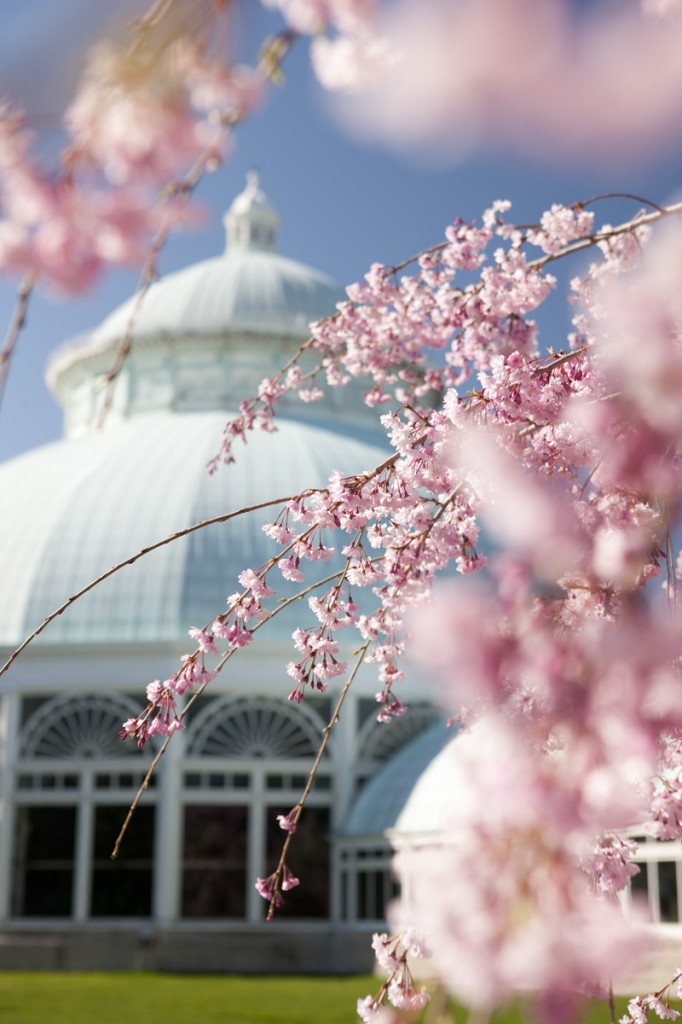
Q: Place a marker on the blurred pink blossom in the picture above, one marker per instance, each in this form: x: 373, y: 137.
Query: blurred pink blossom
x: 531, y: 75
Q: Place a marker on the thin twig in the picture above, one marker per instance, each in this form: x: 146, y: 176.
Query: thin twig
x: 155, y: 13
x: 148, y: 275
x: 621, y: 195
x: 559, y: 361
x: 16, y: 326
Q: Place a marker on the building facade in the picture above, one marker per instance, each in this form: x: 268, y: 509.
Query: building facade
x: 181, y: 894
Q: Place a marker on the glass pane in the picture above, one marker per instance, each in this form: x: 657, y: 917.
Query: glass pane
x: 308, y: 860
x: 640, y: 882
x: 667, y: 890
x: 123, y: 887
x: 375, y: 890
x: 214, y: 864
x: 43, y: 861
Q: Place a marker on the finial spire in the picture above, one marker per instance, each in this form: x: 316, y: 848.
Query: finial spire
x: 251, y: 222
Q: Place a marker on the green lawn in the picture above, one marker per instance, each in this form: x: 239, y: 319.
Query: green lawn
x: 48, y: 998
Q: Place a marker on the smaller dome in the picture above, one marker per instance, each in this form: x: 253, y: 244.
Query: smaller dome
x: 251, y: 221
x: 204, y: 336
x: 438, y: 789
x: 381, y: 803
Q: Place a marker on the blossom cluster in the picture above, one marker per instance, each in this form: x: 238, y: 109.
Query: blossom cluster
x: 147, y: 121
x: 394, y: 954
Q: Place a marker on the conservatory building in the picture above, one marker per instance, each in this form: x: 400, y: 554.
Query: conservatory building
x: 181, y: 895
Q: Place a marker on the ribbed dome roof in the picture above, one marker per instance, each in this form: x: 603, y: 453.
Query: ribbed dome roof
x: 381, y: 802
x: 72, y: 509
x: 243, y: 291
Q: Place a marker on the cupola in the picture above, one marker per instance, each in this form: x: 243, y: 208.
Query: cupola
x: 251, y: 222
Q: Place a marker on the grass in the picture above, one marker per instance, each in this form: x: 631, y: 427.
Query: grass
x: 93, y: 998
x: 75, y: 998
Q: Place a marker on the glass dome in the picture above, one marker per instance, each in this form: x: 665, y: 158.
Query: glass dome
x: 72, y: 509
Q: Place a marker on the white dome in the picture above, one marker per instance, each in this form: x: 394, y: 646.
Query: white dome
x: 72, y: 509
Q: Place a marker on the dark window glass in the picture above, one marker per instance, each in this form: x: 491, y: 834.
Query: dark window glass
x: 308, y: 861
x: 667, y: 890
x: 640, y: 882
x: 43, y: 861
x: 122, y: 887
x: 375, y: 890
x: 214, y: 866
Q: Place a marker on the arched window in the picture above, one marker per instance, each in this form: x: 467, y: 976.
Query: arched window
x: 75, y: 780
x: 255, y: 728
x: 78, y: 726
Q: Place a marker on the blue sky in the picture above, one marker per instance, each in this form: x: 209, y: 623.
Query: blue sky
x: 343, y: 203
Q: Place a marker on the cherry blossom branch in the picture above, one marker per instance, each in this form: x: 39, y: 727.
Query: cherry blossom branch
x: 398, y: 988
x: 271, y: 888
x: 177, y: 535
x: 641, y: 220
